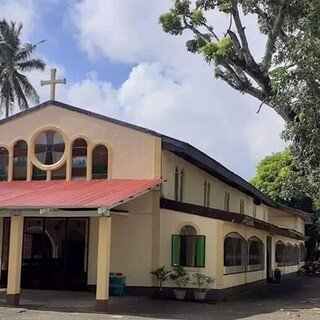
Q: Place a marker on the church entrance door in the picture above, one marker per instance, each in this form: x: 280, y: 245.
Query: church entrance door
x: 54, y: 253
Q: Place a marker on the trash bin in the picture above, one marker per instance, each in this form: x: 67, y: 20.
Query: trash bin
x: 117, y: 283
x: 277, y: 275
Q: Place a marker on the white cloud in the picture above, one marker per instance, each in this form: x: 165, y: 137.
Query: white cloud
x: 23, y: 11
x: 169, y: 90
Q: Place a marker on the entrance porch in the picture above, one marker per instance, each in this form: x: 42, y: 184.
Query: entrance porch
x: 56, y: 246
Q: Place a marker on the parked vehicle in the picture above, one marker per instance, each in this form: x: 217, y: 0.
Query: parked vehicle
x: 312, y: 268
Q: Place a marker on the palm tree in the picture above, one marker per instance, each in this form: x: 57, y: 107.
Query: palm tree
x: 15, y: 59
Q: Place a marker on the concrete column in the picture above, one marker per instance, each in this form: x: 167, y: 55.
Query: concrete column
x: 219, y: 255
x: 103, y: 263
x: 1, y: 244
x: 156, y: 225
x: 15, y: 257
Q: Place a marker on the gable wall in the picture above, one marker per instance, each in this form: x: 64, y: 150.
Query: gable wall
x: 132, y: 154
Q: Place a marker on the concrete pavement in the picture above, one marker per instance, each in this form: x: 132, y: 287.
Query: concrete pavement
x: 297, y: 300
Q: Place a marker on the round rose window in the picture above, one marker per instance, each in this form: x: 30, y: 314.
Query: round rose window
x: 49, y: 147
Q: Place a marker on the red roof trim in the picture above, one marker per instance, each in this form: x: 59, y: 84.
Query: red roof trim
x: 71, y: 194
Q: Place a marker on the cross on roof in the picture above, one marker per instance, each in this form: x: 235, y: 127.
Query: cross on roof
x: 52, y: 82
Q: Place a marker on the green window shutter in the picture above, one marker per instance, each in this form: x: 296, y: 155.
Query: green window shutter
x: 176, y: 245
x: 200, y: 251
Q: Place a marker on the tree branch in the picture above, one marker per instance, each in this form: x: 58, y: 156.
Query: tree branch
x: 272, y: 37
x: 240, y: 29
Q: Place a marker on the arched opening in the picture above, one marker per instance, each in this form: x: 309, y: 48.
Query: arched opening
x: 280, y: 253
x: 188, y: 248
x: 234, y: 253
x: 100, y: 162
x: 20, y: 155
x: 79, y: 159
x: 255, y: 254
x: 302, y: 252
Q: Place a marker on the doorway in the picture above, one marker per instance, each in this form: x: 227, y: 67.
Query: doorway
x: 54, y: 253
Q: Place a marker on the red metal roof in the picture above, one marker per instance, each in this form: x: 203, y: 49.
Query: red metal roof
x: 71, y: 194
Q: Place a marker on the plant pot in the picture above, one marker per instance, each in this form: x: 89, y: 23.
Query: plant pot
x: 179, y: 294
x: 200, y: 295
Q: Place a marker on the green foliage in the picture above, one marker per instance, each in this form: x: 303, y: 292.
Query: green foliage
x: 286, y: 78
x: 202, y: 281
x: 278, y: 177
x: 217, y: 51
x: 171, y: 23
x: 162, y: 274
x: 180, y: 277
x: 15, y: 59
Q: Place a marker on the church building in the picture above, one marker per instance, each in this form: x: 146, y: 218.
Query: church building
x: 83, y: 195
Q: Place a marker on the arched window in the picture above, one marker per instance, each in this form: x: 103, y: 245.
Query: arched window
x: 280, y: 253
x: 234, y: 253
x: 188, y: 248
x: 289, y: 254
x: 241, y: 206
x: 226, y: 200
x: 20, y: 154
x: 255, y: 254
x: 181, y: 184
x: 176, y: 184
x: 79, y: 159
x: 100, y: 162
x: 4, y: 163
x: 295, y: 254
x: 302, y: 252
x: 206, y: 194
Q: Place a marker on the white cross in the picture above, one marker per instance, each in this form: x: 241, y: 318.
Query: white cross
x: 52, y: 82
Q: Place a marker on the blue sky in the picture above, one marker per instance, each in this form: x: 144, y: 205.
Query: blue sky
x: 118, y: 62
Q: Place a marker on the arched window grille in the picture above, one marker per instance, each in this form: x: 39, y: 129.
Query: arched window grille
x: 100, y: 162
x: 280, y: 253
x: 79, y: 159
x: 302, y: 252
x: 4, y: 163
x: 234, y: 253
x: 255, y: 254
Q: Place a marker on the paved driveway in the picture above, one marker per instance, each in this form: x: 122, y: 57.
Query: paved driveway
x: 298, y: 300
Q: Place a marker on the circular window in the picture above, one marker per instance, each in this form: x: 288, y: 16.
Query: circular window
x: 49, y: 147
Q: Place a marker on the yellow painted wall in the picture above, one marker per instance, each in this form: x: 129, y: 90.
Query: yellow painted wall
x: 194, y: 187
x: 172, y: 222
x: 131, y: 248
x: 194, y: 193
x: 285, y: 219
x: 230, y: 280
x: 132, y: 154
x: 131, y: 241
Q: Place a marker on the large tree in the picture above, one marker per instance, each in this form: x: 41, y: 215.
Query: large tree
x: 15, y: 60
x: 287, y: 76
x: 279, y: 178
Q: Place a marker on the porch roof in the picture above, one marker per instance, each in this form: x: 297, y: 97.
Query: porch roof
x: 72, y: 194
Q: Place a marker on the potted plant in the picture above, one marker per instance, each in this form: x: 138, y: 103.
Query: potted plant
x: 203, y: 283
x: 162, y: 274
x: 181, y: 278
